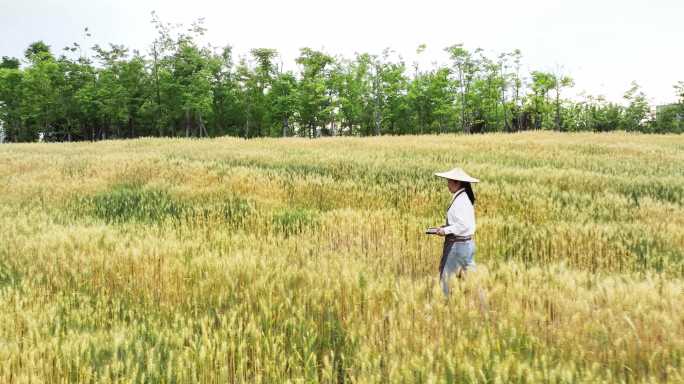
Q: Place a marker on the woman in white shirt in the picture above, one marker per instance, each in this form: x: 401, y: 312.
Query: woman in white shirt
x: 459, y: 247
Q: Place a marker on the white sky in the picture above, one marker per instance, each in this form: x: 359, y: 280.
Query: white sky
x: 602, y: 44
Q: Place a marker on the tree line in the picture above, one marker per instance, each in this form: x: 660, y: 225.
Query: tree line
x: 182, y: 88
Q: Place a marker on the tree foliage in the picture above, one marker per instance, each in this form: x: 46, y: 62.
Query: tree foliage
x: 183, y: 88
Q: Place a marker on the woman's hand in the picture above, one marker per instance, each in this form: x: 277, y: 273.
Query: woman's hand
x: 440, y: 232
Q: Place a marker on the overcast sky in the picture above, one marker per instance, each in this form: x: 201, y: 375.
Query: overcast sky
x: 602, y: 44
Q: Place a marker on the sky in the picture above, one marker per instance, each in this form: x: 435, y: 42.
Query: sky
x: 603, y: 45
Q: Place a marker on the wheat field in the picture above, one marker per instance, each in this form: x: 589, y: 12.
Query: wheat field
x: 304, y: 261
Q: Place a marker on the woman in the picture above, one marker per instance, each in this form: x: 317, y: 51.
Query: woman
x: 459, y: 247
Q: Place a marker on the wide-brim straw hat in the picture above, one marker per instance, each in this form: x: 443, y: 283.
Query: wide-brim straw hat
x: 457, y: 174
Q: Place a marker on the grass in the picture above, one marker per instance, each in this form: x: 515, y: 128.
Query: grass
x: 295, y: 260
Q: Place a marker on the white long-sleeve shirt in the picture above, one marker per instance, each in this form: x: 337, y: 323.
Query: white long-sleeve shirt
x: 461, y: 216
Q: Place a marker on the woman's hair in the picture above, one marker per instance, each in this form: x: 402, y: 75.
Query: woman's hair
x: 469, y: 192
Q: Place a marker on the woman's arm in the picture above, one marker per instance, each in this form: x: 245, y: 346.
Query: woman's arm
x: 457, y: 226
x: 450, y: 229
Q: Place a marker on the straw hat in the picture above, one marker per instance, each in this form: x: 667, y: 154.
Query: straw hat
x: 457, y: 174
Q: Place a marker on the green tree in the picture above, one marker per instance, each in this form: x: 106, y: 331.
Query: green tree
x: 637, y: 109
x: 181, y: 88
x: 485, y: 95
x: 464, y: 67
x: 351, y: 80
x: 192, y: 85
x: 679, y: 89
x: 9, y: 63
x: 670, y: 118
x: 38, y: 51
x: 226, y: 115
x: 11, y: 117
x: 395, y: 105
x: 313, y: 99
x: 258, y: 82
x: 283, y: 101
x: 560, y: 82
x: 182, y: 77
x: 110, y: 95
x: 430, y: 97
x: 542, y: 84
x: 40, y: 98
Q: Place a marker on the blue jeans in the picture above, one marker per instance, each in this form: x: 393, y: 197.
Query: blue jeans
x: 459, y: 258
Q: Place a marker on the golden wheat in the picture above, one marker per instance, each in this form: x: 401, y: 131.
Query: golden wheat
x: 229, y: 260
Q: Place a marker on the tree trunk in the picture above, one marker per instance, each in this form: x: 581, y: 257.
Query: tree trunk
x: 202, y: 128
x: 558, y: 119
x: 463, y: 99
x: 466, y: 125
x: 546, y: 100
x: 156, y: 77
x: 378, y: 122
x: 503, y: 100
x: 286, y: 123
x: 187, y: 123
